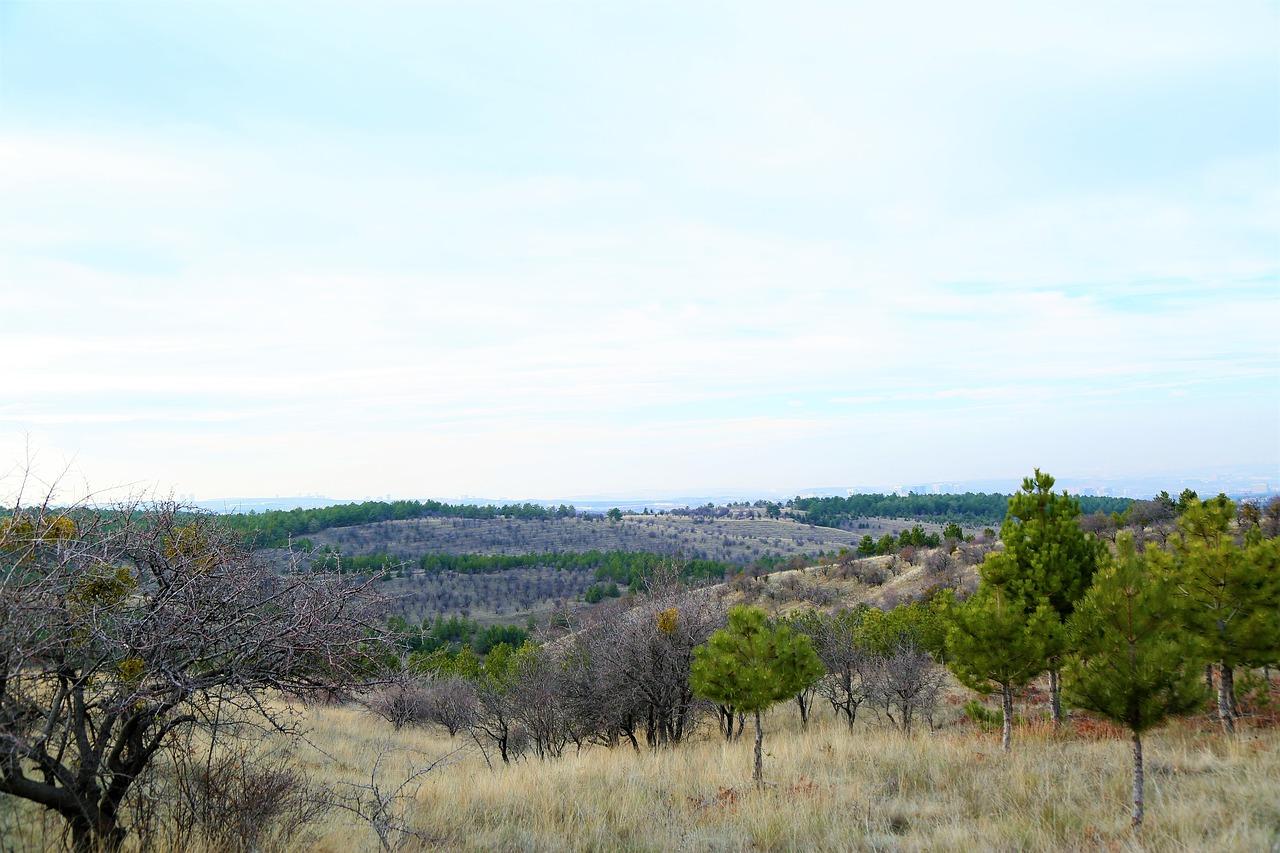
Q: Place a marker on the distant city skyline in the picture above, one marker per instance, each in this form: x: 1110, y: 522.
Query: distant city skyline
x: 522, y: 249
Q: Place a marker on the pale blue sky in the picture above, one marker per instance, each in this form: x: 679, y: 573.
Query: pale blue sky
x: 544, y: 249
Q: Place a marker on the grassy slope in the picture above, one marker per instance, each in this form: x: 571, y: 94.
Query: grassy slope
x: 873, y: 789
x: 826, y: 789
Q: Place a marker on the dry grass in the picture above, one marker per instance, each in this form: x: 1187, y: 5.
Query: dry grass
x: 827, y: 788
x: 874, y: 789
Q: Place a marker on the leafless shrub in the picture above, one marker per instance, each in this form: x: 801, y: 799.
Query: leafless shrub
x: 1099, y: 524
x: 870, y: 572
x: 639, y: 661
x: 451, y: 703
x: 944, y: 569
x: 538, y: 698
x: 384, y: 806
x: 972, y: 553
x: 407, y: 702
x: 237, y: 800
x: 907, y: 681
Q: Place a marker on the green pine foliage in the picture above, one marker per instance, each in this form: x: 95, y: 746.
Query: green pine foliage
x: 1233, y: 593
x: 995, y: 641
x: 750, y: 666
x: 1133, y: 663
x: 1230, y: 594
x: 1047, y: 557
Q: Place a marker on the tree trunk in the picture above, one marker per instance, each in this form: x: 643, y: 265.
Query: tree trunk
x: 758, y: 776
x: 1055, y: 698
x: 1007, y: 696
x: 1208, y: 677
x: 1224, y: 699
x: 1229, y: 679
x: 106, y: 837
x: 804, y: 710
x: 1137, y: 780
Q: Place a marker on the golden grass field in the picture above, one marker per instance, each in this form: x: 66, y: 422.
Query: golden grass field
x: 826, y: 789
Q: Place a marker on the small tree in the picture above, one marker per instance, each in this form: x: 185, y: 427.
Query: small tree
x: 751, y: 666
x: 1134, y: 664
x: 844, y: 650
x: 1230, y: 595
x: 993, y: 641
x: 1047, y: 559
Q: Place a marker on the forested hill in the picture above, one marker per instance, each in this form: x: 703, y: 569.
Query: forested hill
x: 971, y: 508
x: 274, y: 528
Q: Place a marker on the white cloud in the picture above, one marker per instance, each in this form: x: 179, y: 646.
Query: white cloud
x: 811, y: 241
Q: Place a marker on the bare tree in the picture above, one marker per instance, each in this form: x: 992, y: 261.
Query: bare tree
x: 538, y: 698
x: 119, y: 626
x: 642, y: 657
x: 838, y: 640
x: 406, y: 701
x: 451, y: 703
x: 909, y: 681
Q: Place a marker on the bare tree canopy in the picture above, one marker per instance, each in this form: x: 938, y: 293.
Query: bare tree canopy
x: 119, y: 626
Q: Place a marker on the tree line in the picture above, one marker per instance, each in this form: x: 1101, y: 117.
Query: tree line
x: 274, y: 528
x: 970, y: 507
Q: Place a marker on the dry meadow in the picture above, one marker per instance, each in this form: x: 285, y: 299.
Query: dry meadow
x: 827, y: 788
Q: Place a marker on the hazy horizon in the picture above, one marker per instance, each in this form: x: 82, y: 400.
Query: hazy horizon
x: 521, y: 249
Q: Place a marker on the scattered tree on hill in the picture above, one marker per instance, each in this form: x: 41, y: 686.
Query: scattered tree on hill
x: 1133, y: 663
x: 122, y: 626
x: 750, y: 666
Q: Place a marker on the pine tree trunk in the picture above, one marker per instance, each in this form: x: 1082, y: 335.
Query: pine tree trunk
x: 1229, y: 677
x: 1055, y: 698
x: 1208, y: 677
x: 1224, y: 699
x: 1137, y: 780
x: 758, y: 776
x: 1007, y: 695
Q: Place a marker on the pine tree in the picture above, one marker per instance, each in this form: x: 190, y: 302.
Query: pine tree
x: 1133, y: 663
x: 1047, y: 558
x: 1231, y: 595
x: 750, y: 666
x: 994, y: 640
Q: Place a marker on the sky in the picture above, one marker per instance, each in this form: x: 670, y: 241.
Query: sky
x: 532, y: 249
